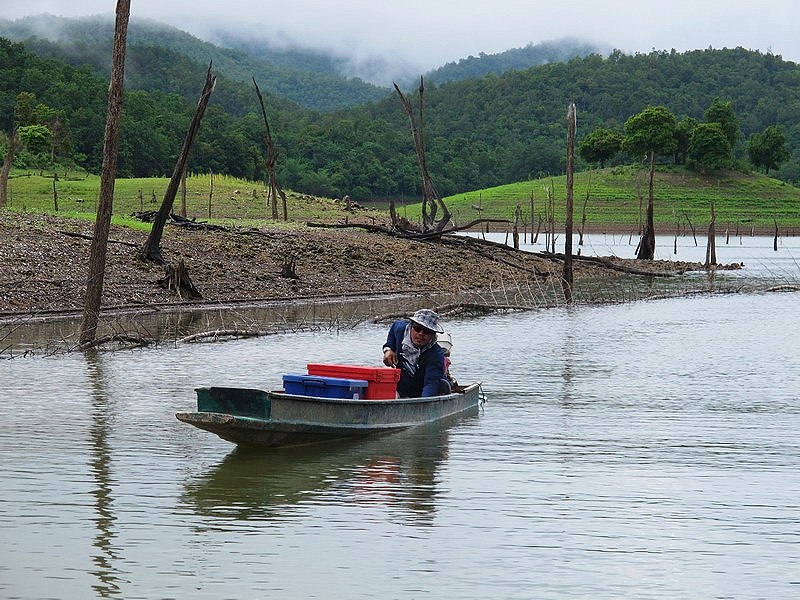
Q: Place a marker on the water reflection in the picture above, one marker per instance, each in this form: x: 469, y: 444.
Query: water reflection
x: 569, y: 341
x: 100, y: 468
x: 398, y: 471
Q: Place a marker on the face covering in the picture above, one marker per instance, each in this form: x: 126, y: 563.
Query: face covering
x: 410, y: 353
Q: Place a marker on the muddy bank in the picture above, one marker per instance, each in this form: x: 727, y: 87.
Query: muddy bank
x: 44, y: 262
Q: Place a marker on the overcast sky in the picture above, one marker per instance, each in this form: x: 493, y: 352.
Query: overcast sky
x: 428, y: 33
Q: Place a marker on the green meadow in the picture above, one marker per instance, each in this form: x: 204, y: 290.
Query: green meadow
x: 615, y: 197
x: 218, y: 199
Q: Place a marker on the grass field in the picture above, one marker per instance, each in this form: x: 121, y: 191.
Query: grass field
x: 616, y: 196
x: 226, y: 199
x: 613, y: 197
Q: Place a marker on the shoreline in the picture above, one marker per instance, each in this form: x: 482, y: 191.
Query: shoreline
x: 338, y: 270
x: 618, y: 229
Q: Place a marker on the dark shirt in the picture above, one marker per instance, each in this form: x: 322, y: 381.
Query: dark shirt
x: 425, y: 381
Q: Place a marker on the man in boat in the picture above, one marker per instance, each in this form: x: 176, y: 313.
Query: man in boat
x: 411, y: 346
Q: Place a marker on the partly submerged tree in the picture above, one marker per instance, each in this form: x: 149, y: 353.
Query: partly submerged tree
x: 768, y: 149
x: 102, y: 225
x: 649, y: 134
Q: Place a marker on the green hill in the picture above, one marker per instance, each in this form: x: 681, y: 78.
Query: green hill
x: 681, y: 198
x: 479, y: 133
x: 531, y: 55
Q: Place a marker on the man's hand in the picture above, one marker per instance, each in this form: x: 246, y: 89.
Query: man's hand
x: 389, y: 357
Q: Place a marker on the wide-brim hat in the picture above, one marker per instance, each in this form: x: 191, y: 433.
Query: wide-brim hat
x: 445, y: 340
x: 428, y: 319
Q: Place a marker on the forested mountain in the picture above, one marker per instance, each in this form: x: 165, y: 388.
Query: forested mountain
x: 71, y: 101
x: 300, y: 77
x: 478, y: 132
x: 309, y: 78
x: 517, y: 58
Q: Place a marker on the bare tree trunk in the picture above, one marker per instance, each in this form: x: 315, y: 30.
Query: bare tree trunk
x: 13, y: 146
x: 273, y: 187
x: 538, y: 229
x: 675, y: 239
x: 517, y: 212
x: 711, y: 244
x: 429, y: 193
x: 647, y: 247
x: 183, y: 193
x: 552, y: 222
x: 210, y: 191
x: 151, y: 250
x: 55, y: 192
x: 694, y: 233
x: 775, y: 239
x: 533, y: 218
x: 566, y: 277
x: 99, y: 246
x: 583, y: 215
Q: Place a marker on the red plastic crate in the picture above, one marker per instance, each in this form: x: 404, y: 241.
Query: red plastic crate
x: 382, y: 381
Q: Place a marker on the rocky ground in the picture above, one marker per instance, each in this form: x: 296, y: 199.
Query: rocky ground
x: 44, y: 263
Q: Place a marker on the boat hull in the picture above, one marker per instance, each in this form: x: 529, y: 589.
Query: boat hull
x: 274, y: 419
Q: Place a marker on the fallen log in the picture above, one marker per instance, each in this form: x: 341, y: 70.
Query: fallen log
x: 83, y: 236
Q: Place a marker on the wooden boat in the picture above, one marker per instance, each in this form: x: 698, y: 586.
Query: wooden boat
x: 252, y: 417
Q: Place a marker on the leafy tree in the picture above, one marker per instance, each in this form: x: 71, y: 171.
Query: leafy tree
x: 722, y: 112
x: 650, y: 133
x: 600, y: 145
x: 768, y: 149
x: 709, y: 149
x: 35, y: 137
x: 683, y: 137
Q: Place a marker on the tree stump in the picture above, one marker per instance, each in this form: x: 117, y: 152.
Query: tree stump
x: 177, y: 280
x: 289, y: 268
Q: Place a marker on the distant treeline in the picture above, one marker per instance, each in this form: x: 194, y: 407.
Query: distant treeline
x: 479, y: 132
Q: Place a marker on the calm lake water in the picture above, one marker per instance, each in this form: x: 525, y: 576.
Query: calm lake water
x: 640, y: 450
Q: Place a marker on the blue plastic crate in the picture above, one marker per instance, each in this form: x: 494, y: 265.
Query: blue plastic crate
x: 324, y: 387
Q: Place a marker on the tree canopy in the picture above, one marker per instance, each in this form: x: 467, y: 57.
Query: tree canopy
x: 768, y: 149
x: 651, y: 131
x: 600, y: 145
x: 721, y: 111
x: 709, y: 148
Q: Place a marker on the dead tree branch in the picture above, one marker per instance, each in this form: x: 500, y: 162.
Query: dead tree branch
x: 429, y: 194
x: 152, y: 247
x: 274, y: 189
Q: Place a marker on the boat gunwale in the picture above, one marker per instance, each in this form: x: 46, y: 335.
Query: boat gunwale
x: 376, y: 401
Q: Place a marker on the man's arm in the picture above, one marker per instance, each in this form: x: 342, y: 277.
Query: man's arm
x: 434, y: 372
x: 389, y: 352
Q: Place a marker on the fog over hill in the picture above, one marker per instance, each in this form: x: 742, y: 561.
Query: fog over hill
x: 294, y: 55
